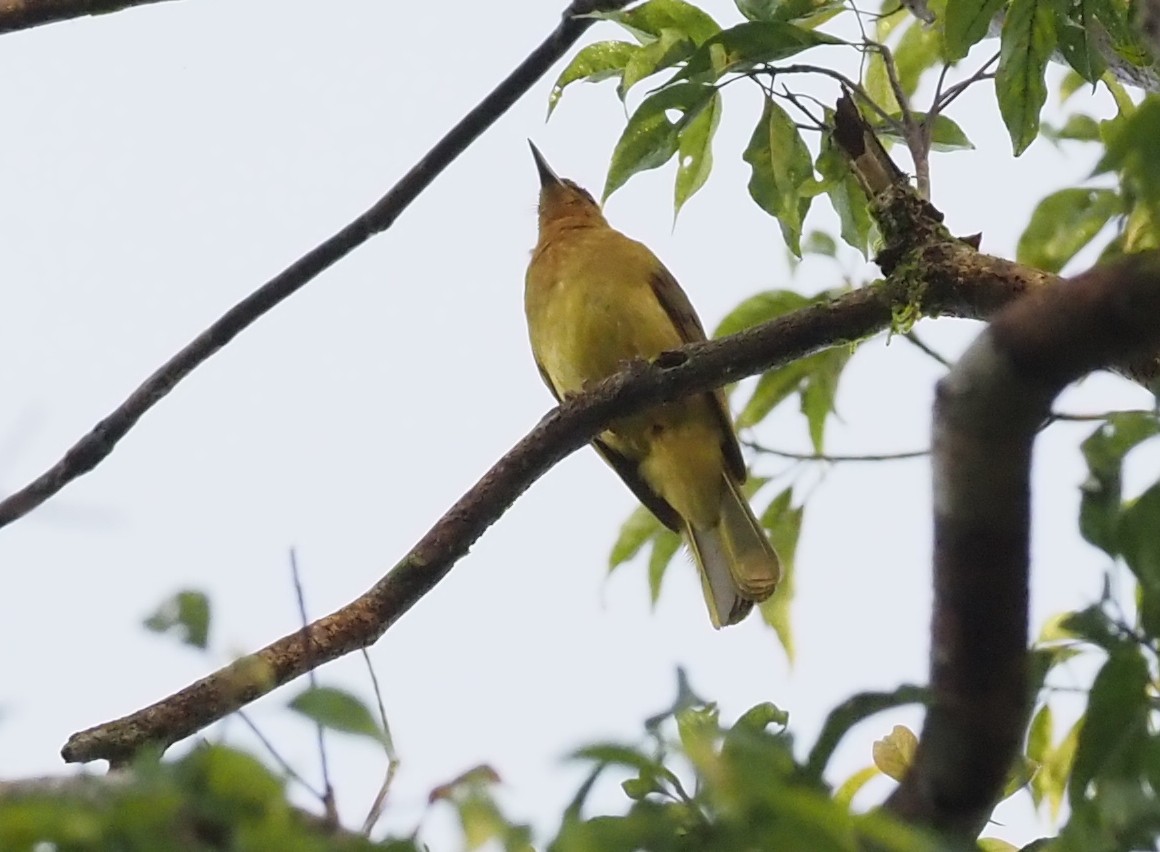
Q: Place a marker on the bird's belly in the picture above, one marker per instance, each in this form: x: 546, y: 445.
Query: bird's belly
x: 589, y: 334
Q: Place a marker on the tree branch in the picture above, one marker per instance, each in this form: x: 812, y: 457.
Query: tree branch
x: 25, y: 14
x: 988, y: 411
x: 96, y: 446
x: 973, y: 288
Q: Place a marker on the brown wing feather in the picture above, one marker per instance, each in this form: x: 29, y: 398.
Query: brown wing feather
x: 628, y: 471
x: 676, y: 304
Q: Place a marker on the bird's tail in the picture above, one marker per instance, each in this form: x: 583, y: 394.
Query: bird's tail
x: 739, y: 566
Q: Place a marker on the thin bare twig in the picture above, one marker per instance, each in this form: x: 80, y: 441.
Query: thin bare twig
x: 94, y: 447
x: 829, y: 457
x: 945, y: 98
x: 375, y: 813
x: 328, y: 800
x: 278, y: 759
x: 914, y: 340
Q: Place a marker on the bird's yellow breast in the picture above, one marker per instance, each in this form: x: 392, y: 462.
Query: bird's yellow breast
x: 591, y: 306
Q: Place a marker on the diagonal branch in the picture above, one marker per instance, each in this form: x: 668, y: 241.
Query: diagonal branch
x: 975, y: 287
x: 25, y: 14
x: 988, y: 411
x: 96, y: 446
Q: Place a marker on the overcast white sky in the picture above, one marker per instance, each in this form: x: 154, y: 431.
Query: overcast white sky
x: 159, y: 164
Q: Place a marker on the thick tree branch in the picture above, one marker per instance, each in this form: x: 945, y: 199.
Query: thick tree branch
x: 94, y: 447
x: 988, y: 411
x: 974, y: 288
x: 24, y: 14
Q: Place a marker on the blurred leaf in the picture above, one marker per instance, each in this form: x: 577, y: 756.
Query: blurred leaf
x: 1124, y: 34
x: 1039, y: 735
x: 917, y: 51
x: 1063, y: 223
x: 1019, y: 777
x: 670, y: 47
x: 594, y: 62
x: 665, y: 546
x: 894, y: 753
x: 946, y: 135
x: 820, y: 389
x: 783, y: 521
x: 1077, y: 128
x: 1115, y: 724
x: 965, y: 23
x: 994, y: 844
x: 617, y: 755
x: 748, y: 46
x: 760, y: 308
x: 186, y: 614
x: 641, y: 526
x: 851, y: 786
x: 699, y: 729
x: 650, y: 138
x: 852, y: 711
x: 338, y: 710
x: 1026, y: 45
x: 649, y: 19
x: 1139, y: 542
x: 781, y: 168
x: 760, y: 716
x: 808, y: 12
x: 1055, y: 769
x: 1104, y: 452
x: 477, y: 777
x: 1131, y: 150
x: 695, y: 150
x: 819, y: 242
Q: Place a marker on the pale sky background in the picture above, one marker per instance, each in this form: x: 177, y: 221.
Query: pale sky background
x: 159, y: 164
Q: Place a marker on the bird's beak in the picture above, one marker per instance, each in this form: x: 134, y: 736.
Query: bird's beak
x: 547, y: 176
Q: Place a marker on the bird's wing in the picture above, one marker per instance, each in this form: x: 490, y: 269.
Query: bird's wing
x: 628, y: 471
x: 676, y: 304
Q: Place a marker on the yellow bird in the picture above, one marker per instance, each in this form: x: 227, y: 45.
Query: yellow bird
x: 595, y: 300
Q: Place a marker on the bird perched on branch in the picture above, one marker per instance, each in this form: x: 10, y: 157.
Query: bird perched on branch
x: 595, y: 300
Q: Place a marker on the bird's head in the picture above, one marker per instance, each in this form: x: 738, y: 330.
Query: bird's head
x: 561, y: 198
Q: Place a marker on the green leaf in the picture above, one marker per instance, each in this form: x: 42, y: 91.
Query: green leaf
x: 595, y: 62
x: 759, y: 717
x: 1081, y: 53
x: 1063, y: 223
x: 669, y: 48
x: 1125, y: 36
x: 773, y: 388
x: 852, y: 711
x: 819, y: 390
x: 781, y: 169
x: 186, y: 614
x: 851, y: 786
x: 1077, y: 128
x: 965, y: 23
x: 665, y: 546
x: 810, y: 12
x: 748, y: 46
x: 945, y: 134
x: 1026, y: 44
x: 1104, y: 452
x: 650, y: 138
x: 695, y: 152
x: 613, y: 754
x: 1115, y: 725
x: 760, y: 308
x: 338, y: 710
x: 1055, y: 770
x: 1139, y: 541
x: 1132, y: 151
x: 846, y: 196
x: 918, y: 49
x: 641, y: 526
x: 783, y: 521
x: 647, y: 20
x: 819, y: 242
x: 894, y: 753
